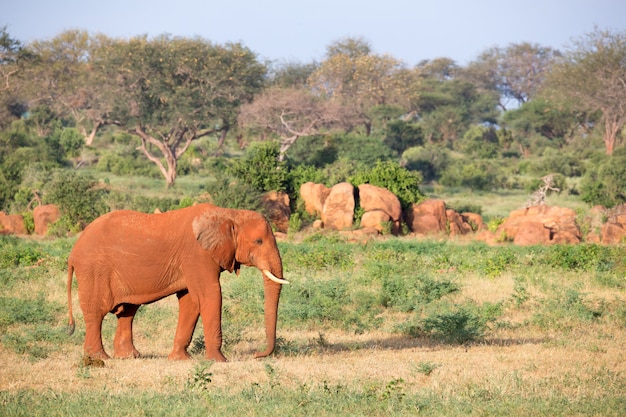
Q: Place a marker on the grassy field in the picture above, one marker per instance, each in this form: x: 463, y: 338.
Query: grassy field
x: 394, y: 327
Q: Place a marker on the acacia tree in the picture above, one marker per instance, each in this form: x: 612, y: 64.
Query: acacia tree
x: 359, y: 80
x: 516, y: 72
x: 290, y: 113
x: 592, y: 78
x: 12, y: 56
x: 171, y: 91
x: 65, y: 79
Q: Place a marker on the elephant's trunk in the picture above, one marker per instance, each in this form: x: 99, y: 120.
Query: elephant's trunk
x: 272, y: 295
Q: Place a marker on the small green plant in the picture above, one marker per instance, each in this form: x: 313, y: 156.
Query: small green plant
x: 426, y: 368
x: 494, y: 223
x: 201, y: 376
x: 520, y: 292
x: 394, y: 390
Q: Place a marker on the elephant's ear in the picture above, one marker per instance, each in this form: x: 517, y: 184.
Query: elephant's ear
x: 216, y: 233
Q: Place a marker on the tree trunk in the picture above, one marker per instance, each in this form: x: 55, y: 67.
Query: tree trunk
x: 611, y: 130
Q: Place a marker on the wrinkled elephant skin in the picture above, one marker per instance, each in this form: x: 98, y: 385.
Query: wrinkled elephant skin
x: 126, y: 258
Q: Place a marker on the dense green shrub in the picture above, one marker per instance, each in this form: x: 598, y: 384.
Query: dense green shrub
x: 127, y: 161
x: 431, y: 160
x: 479, y: 142
x: 553, y: 161
x: 362, y: 149
x: 400, y: 135
x: 400, y: 181
x: 321, y: 151
x: 476, y: 175
x: 317, y: 151
x: 14, y: 252
x: 604, y: 182
x: 261, y: 169
x: 79, y: 198
x: 233, y: 193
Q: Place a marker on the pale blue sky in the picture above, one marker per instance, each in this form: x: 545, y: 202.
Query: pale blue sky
x: 300, y: 31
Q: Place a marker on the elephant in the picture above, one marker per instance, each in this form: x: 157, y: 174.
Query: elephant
x: 125, y: 258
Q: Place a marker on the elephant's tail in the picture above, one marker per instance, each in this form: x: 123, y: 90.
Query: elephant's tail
x: 70, y: 274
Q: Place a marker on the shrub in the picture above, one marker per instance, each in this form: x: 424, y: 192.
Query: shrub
x: 401, y: 135
x: 400, y: 181
x: 127, y: 161
x: 14, y: 252
x: 476, y: 175
x: 80, y: 200
x: 430, y: 160
x: 230, y: 193
x: 261, y: 169
x: 605, y: 184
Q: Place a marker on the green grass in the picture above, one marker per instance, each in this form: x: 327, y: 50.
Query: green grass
x: 391, y: 327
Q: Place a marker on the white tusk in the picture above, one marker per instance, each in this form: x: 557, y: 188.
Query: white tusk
x: 274, y: 277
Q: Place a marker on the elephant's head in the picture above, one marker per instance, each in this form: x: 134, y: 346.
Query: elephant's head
x: 244, y: 237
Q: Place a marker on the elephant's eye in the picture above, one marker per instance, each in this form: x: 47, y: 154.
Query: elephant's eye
x: 258, y: 241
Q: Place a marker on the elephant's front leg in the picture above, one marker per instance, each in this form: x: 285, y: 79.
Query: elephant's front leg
x: 123, y: 343
x: 211, y: 312
x: 188, y: 314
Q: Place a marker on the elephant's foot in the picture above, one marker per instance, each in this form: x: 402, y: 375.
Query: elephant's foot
x: 215, y: 355
x: 127, y: 353
x: 179, y: 355
x: 101, y: 354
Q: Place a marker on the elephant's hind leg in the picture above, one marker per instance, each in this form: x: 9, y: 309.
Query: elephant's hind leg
x: 123, y: 342
x: 93, y: 336
x: 188, y: 314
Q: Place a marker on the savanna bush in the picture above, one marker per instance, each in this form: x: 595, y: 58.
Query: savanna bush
x: 126, y: 161
x: 234, y: 193
x: 261, y: 168
x: 604, y: 182
x: 477, y: 175
x: 400, y: 181
x: 431, y: 160
x: 79, y: 198
x: 15, y: 252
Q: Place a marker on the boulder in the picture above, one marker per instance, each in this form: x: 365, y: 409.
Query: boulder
x: 338, y: 211
x: 380, y: 200
x: 12, y: 224
x: 276, y: 204
x: 43, y: 216
x: 427, y: 218
x: 475, y: 221
x: 376, y: 219
x: 613, y: 233
x: 614, y: 230
x: 540, y: 224
x: 314, y: 196
x: 457, y: 224
x: 532, y: 233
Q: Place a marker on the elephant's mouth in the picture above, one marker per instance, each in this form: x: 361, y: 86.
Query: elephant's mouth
x: 274, y: 278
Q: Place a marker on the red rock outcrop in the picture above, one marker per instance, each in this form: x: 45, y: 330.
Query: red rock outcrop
x: 314, y: 196
x: 538, y: 225
x: 380, y: 206
x: 338, y: 210
x: 614, y: 230
x: 427, y: 218
x: 12, y: 224
x: 44, y: 216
